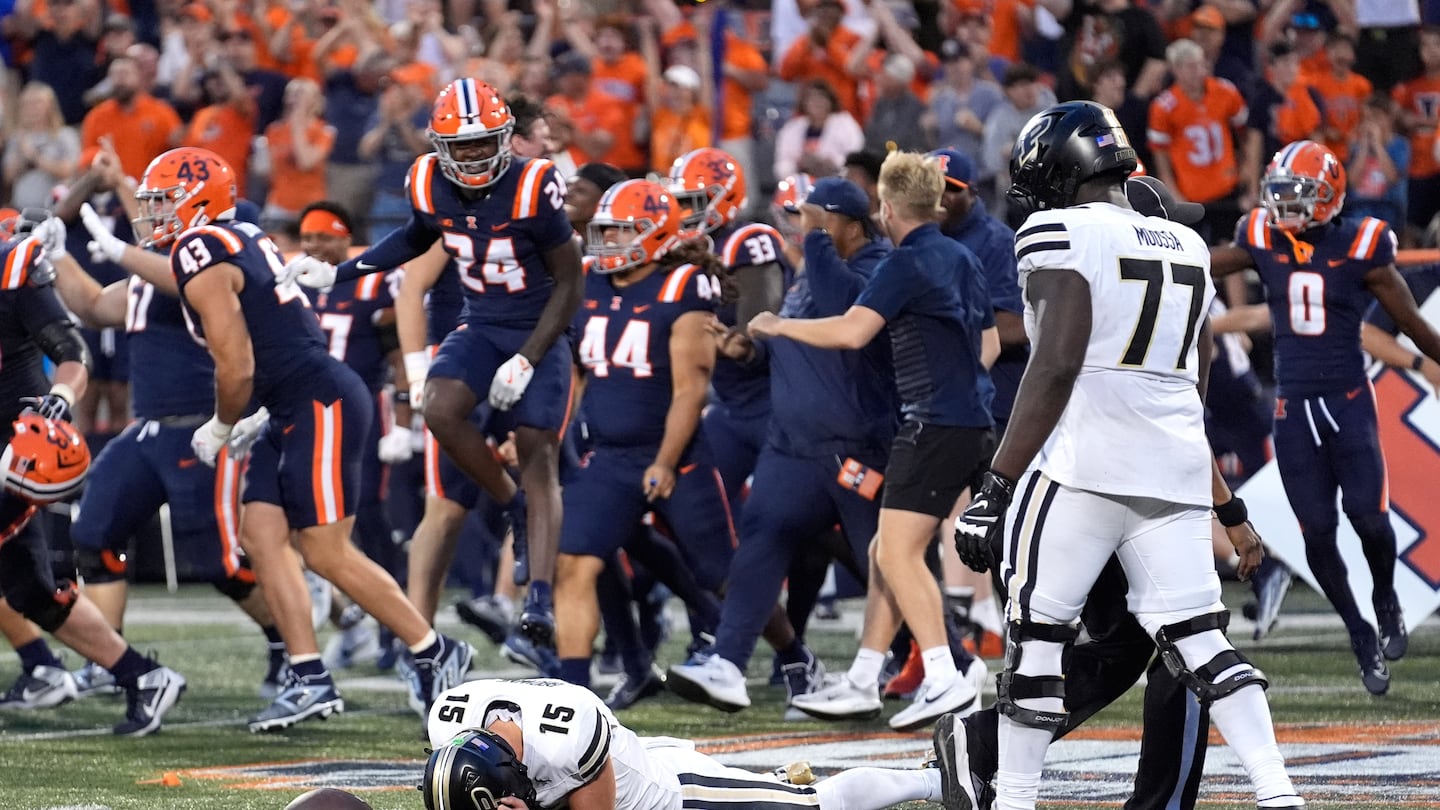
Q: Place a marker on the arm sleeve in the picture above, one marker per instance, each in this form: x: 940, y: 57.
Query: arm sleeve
x: 834, y: 284
x: 46, y: 320
x: 399, y: 246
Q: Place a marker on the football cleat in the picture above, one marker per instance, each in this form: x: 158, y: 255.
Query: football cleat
x: 277, y: 673
x: 351, y: 646
x: 841, y: 699
x: 801, y: 678
x: 1394, y: 638
x: 146, y: 703
x: 486, y: 614
x: 960, y: 697
x: 521, y: 649
x: 432, y: 676
x: 952, y: 754
x: 909, y: 678
x: 43, y: 687
x: 93, y: 679
x: 1373, y: 672
x: 628, y: 691
x: 321, y: 598
x: 1271, y: 583
x: 301, y: 699
x: 707, y: 678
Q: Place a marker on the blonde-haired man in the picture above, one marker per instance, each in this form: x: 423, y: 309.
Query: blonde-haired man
x: 931, y: 294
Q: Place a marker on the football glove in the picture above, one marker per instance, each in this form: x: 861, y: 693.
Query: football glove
x: 246, y: 432
x: 396, y: 447
x: 978, y: 528
x: 308, y: 271
x: 52, y: 406
x: 209, y: 438
x: 417, y: 367
x: 51, y: 234
x: 103, y: 245
x: 510, y: 382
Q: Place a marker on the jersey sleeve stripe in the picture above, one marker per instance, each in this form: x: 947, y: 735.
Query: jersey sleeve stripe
x: 527, y: 201
x: 1036, y: 247
x: 1259, y: 230
x: 369, y: 287
x: 17, y: 264
x: 232, y: 242
x: 598, y: 752
x: 420, y: 176
x: 1366, y: 238
x: 1047, y: 227
x: 674, y: 288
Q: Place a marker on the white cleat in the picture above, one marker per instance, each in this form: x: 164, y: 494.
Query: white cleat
x: 841, y: 699
x: 711, y: 680
x: 961, y: 696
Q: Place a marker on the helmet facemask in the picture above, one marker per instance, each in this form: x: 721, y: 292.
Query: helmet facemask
x: 1290, y: 199
x: 480, y: 172
x: 159, y: 214
x: 626, y: 252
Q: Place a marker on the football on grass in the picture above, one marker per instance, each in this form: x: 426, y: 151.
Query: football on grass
x: 328, y: 799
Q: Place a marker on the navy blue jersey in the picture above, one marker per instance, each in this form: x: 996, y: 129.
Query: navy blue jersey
x: 444, y: 305
x: 288, y: 345
x: 932, y: 295
x: 348, y: 316
x: 170, y: 373
x: 25, y: 309
x: 625, y: 349
x: 743, y: 388
x: 1315, y: 286
x: 498, y: 240
x: 1423, y: 281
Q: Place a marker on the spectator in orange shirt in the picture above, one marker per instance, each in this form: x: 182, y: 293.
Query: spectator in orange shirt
x: 300, y: 144
x: 823, y: 54
x: 620, y: 73
x: 1343, y: 93
x: 583, y: 118
x: 1192, y: 140
x: 1419, y: 103
x: 140, y: 125
x: 227, y: 125
x: 681, y: 121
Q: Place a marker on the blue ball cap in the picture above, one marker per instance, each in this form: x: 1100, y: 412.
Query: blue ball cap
x: 959, y: 168
x: 840, y: 196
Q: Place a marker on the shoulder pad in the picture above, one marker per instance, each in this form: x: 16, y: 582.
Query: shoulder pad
x: 539, y: 185
x: 418, y: 180
x: 1373, y: 240
x: 199, y: 248
x: 1253, y: 230
x: 18, y: 261
x: 1042, y: 241
x: 690, y: 284
x: 750, y: 245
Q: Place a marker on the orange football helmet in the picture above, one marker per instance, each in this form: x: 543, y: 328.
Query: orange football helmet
x: 710, y: 187
x: 647, y: 220
x: 469, y: 115
x: 9, y: 219
x: 184, y: 188
x: 46, y: 459
x: 1303, y: 186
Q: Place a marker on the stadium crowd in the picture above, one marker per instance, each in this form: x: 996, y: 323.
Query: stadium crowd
x: 538, y: 174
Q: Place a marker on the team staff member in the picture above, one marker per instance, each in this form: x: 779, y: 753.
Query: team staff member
x: 931, y: 295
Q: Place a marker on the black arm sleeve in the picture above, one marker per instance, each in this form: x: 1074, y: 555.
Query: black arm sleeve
x: 61, y: 342
x: 46, y: 320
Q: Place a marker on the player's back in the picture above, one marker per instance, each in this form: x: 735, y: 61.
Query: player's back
x: 24, y: 308
x: 169, y: 372
x: 289, y: 348
x: 1134, y: 424
x: 349, y: 314
x: 745, y: 389
x: 1315, y: 287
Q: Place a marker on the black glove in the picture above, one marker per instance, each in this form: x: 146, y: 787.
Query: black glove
x: 51, y: 406
x: 982, y: 522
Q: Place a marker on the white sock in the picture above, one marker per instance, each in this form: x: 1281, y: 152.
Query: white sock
x: 304, y: 659
x: 1022, y: 758
x: 959, y: 590
x: 876, y: 788
x: 939, y: 668
x: 1243, y: 718
x: 985, y: 613
x: 865, y: 669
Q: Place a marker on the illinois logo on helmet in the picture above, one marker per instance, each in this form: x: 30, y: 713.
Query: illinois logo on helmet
x: 1304, y: 186
x: 46, y: 459
x: 183, y: 188
x: 709, y: 185
x: 470, y: 126
x: 636, y: 222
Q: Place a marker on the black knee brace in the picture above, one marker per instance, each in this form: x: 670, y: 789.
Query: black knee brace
x: 1201, y: 680
x: 1011, y: 686
x: 48, y: 609
x: 236, y: 588
x: 97, y: 567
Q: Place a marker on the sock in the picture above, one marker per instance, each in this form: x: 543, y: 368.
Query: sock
x: 36, y: 654
x: 876, y: 788
x: 308, y: 666
x: 960, y: 591
x: 130, y: 667
x: 272, y: 636
x: 635, y: 662
x: 427, y: 647
x: 985, y: 613
x: 940, y: 668
x: 539, y: 595
x: 576, y: 671
x: 865, y: 669
x: 795, y: 654
x: 1243, y: 718
x: 1022, y: 757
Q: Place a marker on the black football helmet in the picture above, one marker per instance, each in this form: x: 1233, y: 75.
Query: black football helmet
x: 1062, y: 147
x: 473, y: 772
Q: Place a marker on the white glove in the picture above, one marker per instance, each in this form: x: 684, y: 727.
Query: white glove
x: 104, y: 245
x: 308, y: 271
x: 209, y: 438
x: 395, y: 446
x: 247, y: 431
x: 51, y: 234
x: 417, y: 367
x: 510, y: 382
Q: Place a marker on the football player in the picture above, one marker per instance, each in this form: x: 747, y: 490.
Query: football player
x: 304, y: 467
x: 930, y: 295
x: 1321, y: 270
x: 647, y: 354
x: 503, y: 221
x: 550, y: 744
x: 45, y: 461
x: 1116, y: 303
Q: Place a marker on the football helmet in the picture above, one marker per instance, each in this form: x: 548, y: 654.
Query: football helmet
x: 648, y: 220
x: 1303, y: 186
x: 790, y: 194
x: 473, y: 772
x: 709, y: 185
x: 1062, y: 147
x: 46, y: 460
x: 469, y: 114
x: 183, y: 188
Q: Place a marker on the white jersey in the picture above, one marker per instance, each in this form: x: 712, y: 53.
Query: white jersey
x: 1134, y: 424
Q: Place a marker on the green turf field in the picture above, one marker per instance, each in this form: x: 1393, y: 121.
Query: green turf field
x: 1348, y: 749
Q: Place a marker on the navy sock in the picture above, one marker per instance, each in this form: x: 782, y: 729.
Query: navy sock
x: 576, y: 671
x: 539, y: 594
x: 793, y: 654
x: 36, y: 654
x: 130, y: 667
x: 432, y: 652
x: 516, y: 508
x: 314, y: 668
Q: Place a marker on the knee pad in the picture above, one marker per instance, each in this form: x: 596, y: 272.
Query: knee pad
x: 1013, y: 686
x: 1203, y: 680
x: 49, y: 609
x: 98, y: 566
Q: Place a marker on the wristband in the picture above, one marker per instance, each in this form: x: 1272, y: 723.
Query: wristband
x: 63, y: 391
x: 1232, y: 513
x: 417, y: 366
x: 1417, y: 363
x: 401, y: 397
